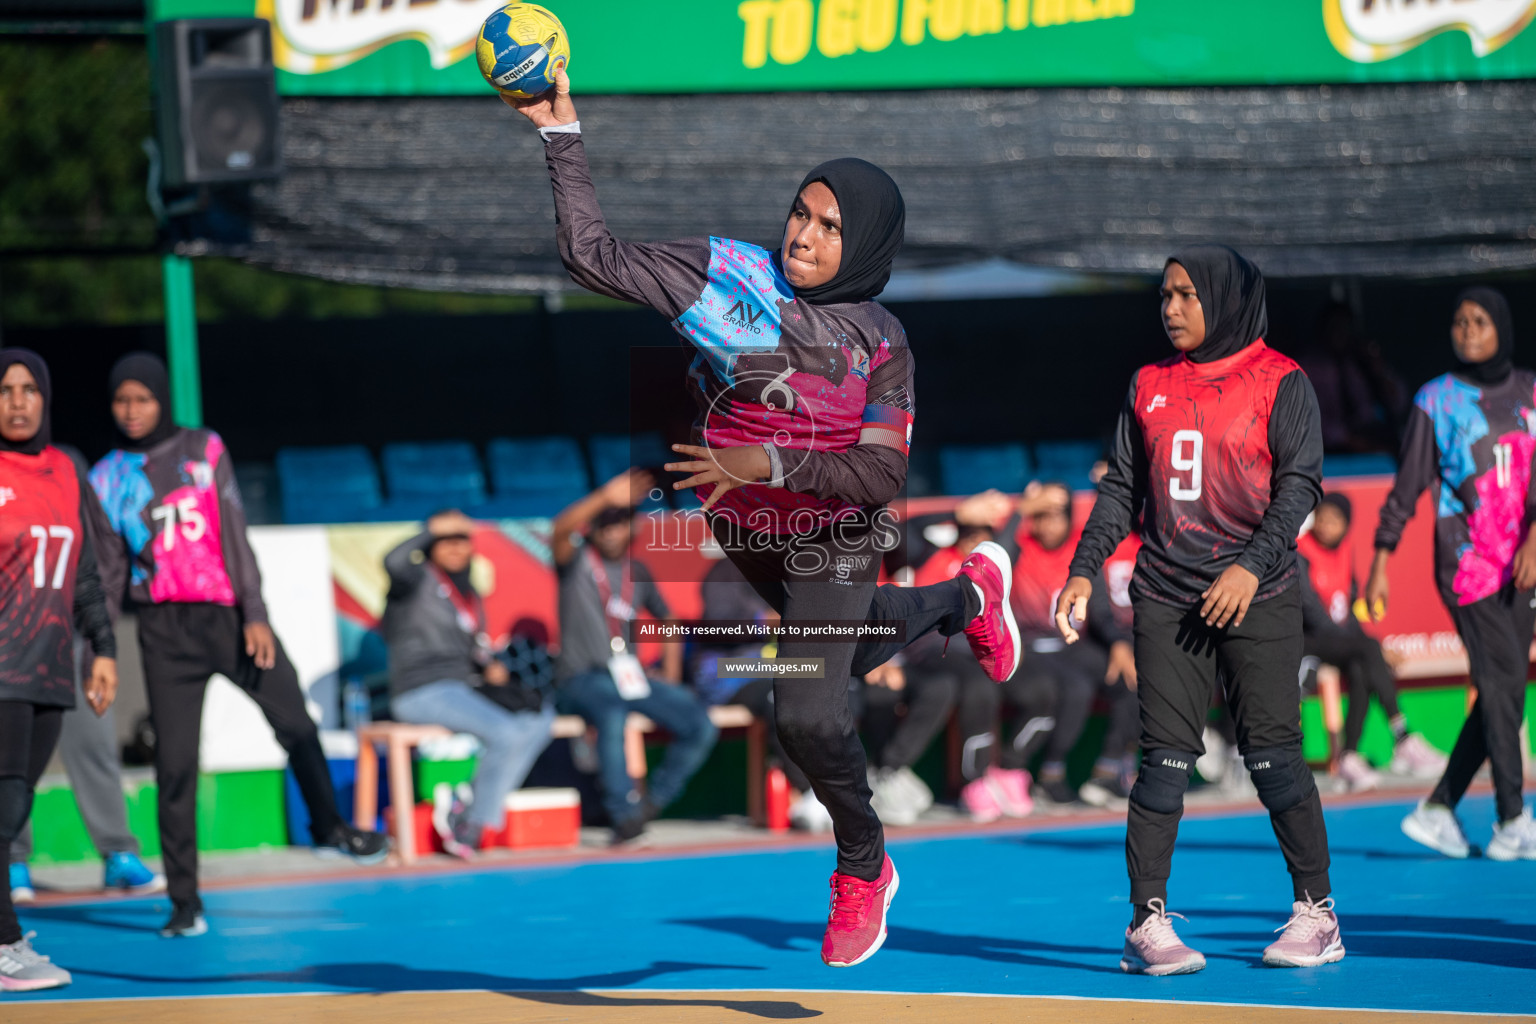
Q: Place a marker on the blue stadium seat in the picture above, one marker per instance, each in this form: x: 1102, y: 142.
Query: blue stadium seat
x: 1366, y: 464
x: 969, y: 469
x: 612, y: 454
x: 443, y: 473
x: 1067, y: 461
x: 328, y: 485
x: 532, y: 477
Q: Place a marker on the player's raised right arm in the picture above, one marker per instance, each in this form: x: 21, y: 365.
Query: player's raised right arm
x: 666, y: 276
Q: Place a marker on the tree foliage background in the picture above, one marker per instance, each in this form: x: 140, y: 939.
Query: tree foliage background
x: 77, y: 236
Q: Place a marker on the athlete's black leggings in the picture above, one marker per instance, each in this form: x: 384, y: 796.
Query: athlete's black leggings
x: 1359, y: 660
x: 184, y: 644
x: 28, y: 734
x: 825, y: 577
x: 1497, y: 635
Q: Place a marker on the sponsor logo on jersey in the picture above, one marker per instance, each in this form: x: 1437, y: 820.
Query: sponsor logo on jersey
x: 744, y: 315
x: 843, y: 566
x: 7, y: 494
x: 1368, y: 31
x: 1158, y: 402
x: 313, y: 36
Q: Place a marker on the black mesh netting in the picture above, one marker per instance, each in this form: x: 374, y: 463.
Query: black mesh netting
x: 1401, y: 180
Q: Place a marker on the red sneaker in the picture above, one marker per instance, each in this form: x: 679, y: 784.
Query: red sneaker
x: 856, y: 924
x: 993, y: 635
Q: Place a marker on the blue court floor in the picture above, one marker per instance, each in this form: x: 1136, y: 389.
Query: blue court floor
x: 1037, y: 912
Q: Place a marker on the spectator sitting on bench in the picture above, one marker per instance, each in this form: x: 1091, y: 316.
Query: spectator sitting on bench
x: 597, y: 675
x: 435, y: 626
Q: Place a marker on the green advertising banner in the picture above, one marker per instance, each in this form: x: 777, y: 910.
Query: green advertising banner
x: 397, y: 47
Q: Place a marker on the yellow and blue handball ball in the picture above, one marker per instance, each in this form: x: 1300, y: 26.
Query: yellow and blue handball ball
x: 519, y: 49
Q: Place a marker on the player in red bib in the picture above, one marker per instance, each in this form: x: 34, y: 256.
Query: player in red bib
x: 1220, y: 447
x: 1332, y: 634
x: 49, y: 587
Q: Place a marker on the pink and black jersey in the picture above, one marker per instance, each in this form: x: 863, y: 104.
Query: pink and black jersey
x: 1475, y: 444
x: 1225, y: 460
x: 180, y: 525
x: 48, y: 579
x: 811, y: 380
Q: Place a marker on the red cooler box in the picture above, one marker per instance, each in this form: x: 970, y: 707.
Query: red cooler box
x: 541, y: 818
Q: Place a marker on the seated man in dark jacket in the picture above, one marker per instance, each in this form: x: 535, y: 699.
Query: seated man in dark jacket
x: 434, y: 624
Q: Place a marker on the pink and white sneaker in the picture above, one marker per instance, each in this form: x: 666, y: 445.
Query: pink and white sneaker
x: 993, y: 634
x: 1012, y: 788
x: 979, y: 798
x: 1415, y: 758
x: 856, y: 921
x: 1155, y: 948
x: 1357, y: 772
x: 1310, y: 938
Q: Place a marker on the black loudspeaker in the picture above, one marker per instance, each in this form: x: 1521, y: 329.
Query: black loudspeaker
x: 218, y: 109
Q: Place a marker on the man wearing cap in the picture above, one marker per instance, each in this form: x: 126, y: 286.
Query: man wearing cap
x: 439, y: 650
x: 597, y: 674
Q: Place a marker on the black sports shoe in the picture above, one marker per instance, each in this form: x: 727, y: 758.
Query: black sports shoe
x: 1056, y: 790
x: 363, y: 847
x: 186, y: 921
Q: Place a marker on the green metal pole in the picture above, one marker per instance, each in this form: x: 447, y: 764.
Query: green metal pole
x: 181, y: 341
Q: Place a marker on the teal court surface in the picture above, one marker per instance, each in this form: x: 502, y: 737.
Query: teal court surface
x: 1021, y: 924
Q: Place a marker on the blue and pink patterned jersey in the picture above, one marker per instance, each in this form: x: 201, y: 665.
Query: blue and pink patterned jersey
x: 829, y: 386
x: 180, y: 525
x: 1474, y: 444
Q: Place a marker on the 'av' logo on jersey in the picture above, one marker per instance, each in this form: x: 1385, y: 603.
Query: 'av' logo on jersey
x: 6, y: 494
x: 1158, y: 402
x: 744, y: 315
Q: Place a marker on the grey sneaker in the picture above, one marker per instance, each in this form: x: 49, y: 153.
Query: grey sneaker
x: 918, y: 793
x: 1155, y: 949
x: 1437, y: 828
x: 24, y: 969
x: 1311, y: 937
x: 1514, y: 839
x: 1415, y: 758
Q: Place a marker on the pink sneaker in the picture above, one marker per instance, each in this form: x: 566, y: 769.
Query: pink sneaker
x: 1415, y: 758
x: 1357, y: 772
x: 856, y: 923
x: 980, y: 801
x: 1156, y: 949
x: 1012, y: 788
x: 993, y: 635
x: 1311, y: 937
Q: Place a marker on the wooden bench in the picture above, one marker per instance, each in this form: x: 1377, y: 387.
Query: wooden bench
x: 400, y: 738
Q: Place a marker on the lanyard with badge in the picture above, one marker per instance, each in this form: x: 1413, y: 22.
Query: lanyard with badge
x: 618, y: 609
x: 469, y: 609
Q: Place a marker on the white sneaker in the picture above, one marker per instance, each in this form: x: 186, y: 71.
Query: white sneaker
x: 1415, y: 758
x: 1514, y: 839
x: 1437, y: 828
x: 24, y: 969
x: 1212, y: 765
x: 890, y: 798
x: 918, y: 793
x: 809, y: 815
x: 1357, y: 772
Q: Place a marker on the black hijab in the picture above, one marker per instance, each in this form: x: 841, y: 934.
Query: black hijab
x: 39, y: 370
x: 148, y: 369
x: 874, y: 222
x: 1231, y: 292
x: 1497, y: 369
